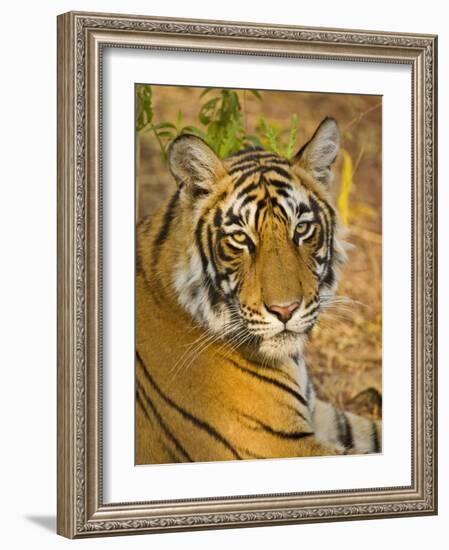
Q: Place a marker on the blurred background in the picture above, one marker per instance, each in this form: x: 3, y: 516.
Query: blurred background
x: 344, y: 355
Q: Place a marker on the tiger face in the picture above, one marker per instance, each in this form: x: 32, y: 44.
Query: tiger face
x: 259, y: 251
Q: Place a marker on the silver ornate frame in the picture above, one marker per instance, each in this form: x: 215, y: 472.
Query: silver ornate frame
x: 81, y: 39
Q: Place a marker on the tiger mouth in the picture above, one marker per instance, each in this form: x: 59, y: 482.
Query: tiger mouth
x: 277, y: 336
x: 284, y: 334
x: 287, y: 335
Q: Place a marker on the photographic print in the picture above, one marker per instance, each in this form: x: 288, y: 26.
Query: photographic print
x: 246, y: 275
x: 258, y: 274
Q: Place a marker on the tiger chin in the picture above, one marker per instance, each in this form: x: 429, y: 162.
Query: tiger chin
x: 232, y: 274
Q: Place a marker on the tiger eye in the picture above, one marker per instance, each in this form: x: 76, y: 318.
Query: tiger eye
x: 302, y: 228
x: 239, y: 237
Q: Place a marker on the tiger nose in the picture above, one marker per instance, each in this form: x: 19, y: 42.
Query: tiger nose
x: 283, y: 313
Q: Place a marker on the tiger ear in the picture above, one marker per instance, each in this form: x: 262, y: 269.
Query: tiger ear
x: 193, y: 163
x: 318, y: 154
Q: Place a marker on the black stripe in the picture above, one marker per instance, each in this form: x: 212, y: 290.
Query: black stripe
x: 285, y: 194
x: 375, y: 438
x: 258, y: 154
x: 291, y: 203
x: 218, y: 217
x: 271, y: 381
x: 319, y: 206
x: 281, y: 373
x: 196, y: 191
x: 199, y: 244
x: 247, y: 200
x: 199, y: 423
x: 162, y: 235
x: 222, y: 254
x: 279, y: 184
x: 149, y: 287
x: 251, y: 246
x: 303, y: 209
x: 236, y: 249
x: 220, y: 277
x: 214, y: 296
x: 251, y: 162
x: 248, y: 189
x: 324, y: 211
x: 246, y: 451
x: 315, y: 206
x: 294, y: 410
x: 167, y: 219
x: 139, y: 266
x: 142, y: 406
x: 320, y: 242
x: 312, y: 311
x: 276, y: 204
x: 278, y: 433
x: 329, y: 279
x: 232, y: 218
x: 210, y: 245
x: 259, y: 208
x: 319, y: 260
x: 255, y: 323
x: 280, y: 171
x: 249, y: 149
x: 163, y: 425
x: 278, y: 160
x: 172, y: 455
x: 242, y: 179
x: 241, y: 166
x: 344, y: 430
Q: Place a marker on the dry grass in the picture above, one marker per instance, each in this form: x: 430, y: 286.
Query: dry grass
x: 345, y: 351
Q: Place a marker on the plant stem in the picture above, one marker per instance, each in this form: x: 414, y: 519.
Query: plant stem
x: 359, y: 117
x: 245, y: 122
x: 161, y: 145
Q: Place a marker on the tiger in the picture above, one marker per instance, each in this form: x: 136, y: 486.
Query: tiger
x: 232, y: 273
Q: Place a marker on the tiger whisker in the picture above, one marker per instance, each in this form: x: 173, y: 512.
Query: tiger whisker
x: 204, y: 341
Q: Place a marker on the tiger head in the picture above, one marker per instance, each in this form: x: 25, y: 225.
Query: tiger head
x: 258, y: 247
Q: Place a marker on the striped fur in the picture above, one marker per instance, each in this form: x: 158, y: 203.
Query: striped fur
x: 220, y: 374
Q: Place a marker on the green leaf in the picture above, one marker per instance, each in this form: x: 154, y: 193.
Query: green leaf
x: 164, y: 125
x: 144, y: 106
x: 270, y: 134
x: 290, y: 149
x: 193, y: 130
x: 166, y: 134
x: 232, y: 140
x: 179, y: 119
x: 256, y: 93
x: 254, y: 140
x: 223, y: 124
x: 207, y: 110
x: 205, y: 91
